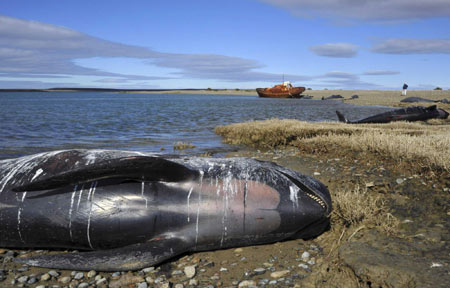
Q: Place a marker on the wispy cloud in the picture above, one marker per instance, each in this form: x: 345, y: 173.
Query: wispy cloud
x: 413, y: 46
x: 35, y: 48
x: 337, y: 50
x: 380, y: 72
x: 366, y: 9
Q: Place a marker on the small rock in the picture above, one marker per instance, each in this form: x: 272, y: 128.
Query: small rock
x: 64, y: 280
x: 179, y: 285
x: 193, y: 282
x: 83, y: 285
x: 23, y: 279
x: 100, y: 281
x: 142, y: 285
x: 311, y: 262
x: 176, y: 272
x: 223, y: 269
x: 91, y: 273
x: 46, y: 277
x: 259, y: 271
x: 40, y: 286
x: 2, y: 251
x: 302, y: 265
x: 149, y: 280
x: 53, y: 273
x: 247, y: 283
x: 238, y: 250
x: 190, y: 271
x: 32, y: 280
x: 399, y: 180
x: 148, y: 270
x: 273, y: 282
x: 316, y: 173
x: 78, y: 276
x: 305, y: 256
x: 279, y: 274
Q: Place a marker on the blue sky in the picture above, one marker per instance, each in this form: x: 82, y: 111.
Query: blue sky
x: 342, y: 44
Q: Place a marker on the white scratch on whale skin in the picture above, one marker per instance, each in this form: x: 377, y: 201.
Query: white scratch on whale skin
x: 79, y: 197
x: 90, y: 195
x: 38, y: 172
x: 188, y: 198
x: 142, y: 194
x: 70, y: 211
x: 293, y: 195
x: 19, y: 212
x: 198, y: 205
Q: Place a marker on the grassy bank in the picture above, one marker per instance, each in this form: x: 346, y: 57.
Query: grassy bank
x: 423, y: 146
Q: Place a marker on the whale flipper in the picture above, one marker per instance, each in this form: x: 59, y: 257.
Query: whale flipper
x: 341, y: 117
x: 132, y: 257
x: 133, y: 167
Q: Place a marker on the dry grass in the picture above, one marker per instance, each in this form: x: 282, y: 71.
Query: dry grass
x: 359, y: 208
x: 424, y: 145
x: 183, y: 146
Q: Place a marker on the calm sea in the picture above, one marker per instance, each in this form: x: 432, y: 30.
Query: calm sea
x: 32, y: 122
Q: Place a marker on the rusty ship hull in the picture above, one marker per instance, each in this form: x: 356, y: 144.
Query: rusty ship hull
x: 294, y: 92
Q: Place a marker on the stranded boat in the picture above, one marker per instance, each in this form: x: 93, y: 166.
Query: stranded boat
x: 284, y: 90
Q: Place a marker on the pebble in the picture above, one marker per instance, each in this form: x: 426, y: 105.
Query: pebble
x: 64, y: 280
x: 399, y: 180
x: 305, y: 256
x: 53, y: 273
x: 79, y: 275
x: 179, y: 285
x: 215, y: 277
x: 190, y: 271
x: 238, y: 250
x: 311, y: 262
x: 247, y: 283
x: 176, y: 272
x: 23, y: 279
x: 223, y: 269
x: 46, y: 277
x: 316, y: 173
x: 259, y: 271
x: 273, y: 282
x: 32, y: 280
x: 193, y: 282
x: 100, y: 281
x: 148, y: 270
x: 83, y: 285
x: 279, y: 274
x: 91, y: 273
x: 149, y: 280
x: 302, y: 265
x: 142, y: 285
x: 40, y: 286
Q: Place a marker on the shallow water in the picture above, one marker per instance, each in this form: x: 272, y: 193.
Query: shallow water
x: 32, y: 122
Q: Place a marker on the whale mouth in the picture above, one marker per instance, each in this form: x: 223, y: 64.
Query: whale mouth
x: 318, y: 196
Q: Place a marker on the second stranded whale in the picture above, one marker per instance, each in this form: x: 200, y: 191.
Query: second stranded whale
x: 132, y: 210
x: 415, y: 113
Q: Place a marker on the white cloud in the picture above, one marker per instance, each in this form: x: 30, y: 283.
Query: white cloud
x: 337, y: 50
x: 381, y: 72
x: 413, y: 46
x: 366, y: 9
x: 29, y: 47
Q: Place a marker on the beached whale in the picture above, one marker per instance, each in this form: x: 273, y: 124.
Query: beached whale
x: 134, y: 210
x: 416, y: 113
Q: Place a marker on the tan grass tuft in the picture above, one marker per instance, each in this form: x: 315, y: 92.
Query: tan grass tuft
x: 424, y: 144
x: 183, y: 146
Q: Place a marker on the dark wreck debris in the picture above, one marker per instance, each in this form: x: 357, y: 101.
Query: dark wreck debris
x: 416, y: 113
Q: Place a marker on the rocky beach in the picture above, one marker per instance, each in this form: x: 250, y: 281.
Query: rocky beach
x: 389, y: 228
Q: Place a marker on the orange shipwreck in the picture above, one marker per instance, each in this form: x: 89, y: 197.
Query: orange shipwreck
x: 284, y: 90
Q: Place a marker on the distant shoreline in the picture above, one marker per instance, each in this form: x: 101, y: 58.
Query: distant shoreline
x: 365, y: 97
